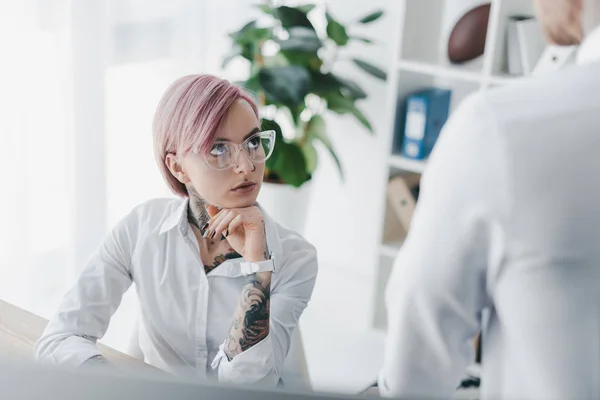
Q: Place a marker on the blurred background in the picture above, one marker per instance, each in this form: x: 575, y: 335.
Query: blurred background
x: 80, y: 81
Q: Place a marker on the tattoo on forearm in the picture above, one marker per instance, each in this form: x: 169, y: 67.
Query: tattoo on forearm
x: 220, y: 259
x: 251, y: 321
x: 255, y: 300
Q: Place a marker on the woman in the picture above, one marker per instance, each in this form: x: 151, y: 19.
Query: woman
x: 221, y: 286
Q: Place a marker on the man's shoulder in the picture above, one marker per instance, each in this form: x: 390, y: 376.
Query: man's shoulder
x: 564, y: 92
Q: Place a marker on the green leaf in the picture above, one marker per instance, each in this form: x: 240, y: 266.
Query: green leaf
x: 371, y: 69
x: 290, y: 17
x: 291, y: 165
x: 352, y: 89
x: 276, y: 60
x: 296, y: 111
x: 336, y: 31
x: 266, y: 9
x: 322, y: 84
x: 250, y: 51
x: 250, y: 33
x: 362, y: 39
x: 287, y: 85
x: 374, y: 16
x: 342, y: 105
x: 306, y: 8
x: 317, y: 131
x: 301, y: 39
x: 309, y: 60
x: 288, y: 161
x: 268, y: 125
x: 236, y: 51
x: 360, y: 116
x: 249, y: 25
x: 310, y: 155
x: 251, y: 83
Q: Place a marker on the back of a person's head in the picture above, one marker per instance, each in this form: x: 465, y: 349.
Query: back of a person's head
x: 567, y: 22
x: 189, y: 116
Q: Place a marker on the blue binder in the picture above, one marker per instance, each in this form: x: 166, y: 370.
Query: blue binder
x: 426, y: 113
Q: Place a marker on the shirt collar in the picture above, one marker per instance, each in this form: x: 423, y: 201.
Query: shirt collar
x: 177, y: 218
x: 589, y: 50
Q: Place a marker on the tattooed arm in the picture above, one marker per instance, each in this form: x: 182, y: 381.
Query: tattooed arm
x: 262, y: 330
x: 251, y: 319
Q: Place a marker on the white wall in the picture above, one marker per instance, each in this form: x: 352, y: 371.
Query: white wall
x: 343, y: 215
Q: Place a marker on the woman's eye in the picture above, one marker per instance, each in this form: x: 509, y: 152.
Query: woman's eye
x: 218, y: 149
x: 254, y: 142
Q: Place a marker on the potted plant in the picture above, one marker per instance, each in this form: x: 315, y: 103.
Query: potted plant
x: 290, y: 71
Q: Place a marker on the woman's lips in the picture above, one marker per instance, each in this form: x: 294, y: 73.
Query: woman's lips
x: 246, y: 188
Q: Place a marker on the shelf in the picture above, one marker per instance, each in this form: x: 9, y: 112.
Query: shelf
x: 441, y: 71
x: 406, y: 164
x: 389, y: 250
x: 504, y: 79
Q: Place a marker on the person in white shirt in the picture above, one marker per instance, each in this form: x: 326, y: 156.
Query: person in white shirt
x: 221, y: 286
x: 508, y: 226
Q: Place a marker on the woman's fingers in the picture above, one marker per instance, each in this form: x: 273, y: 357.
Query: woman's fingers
x: 223, y: 224
x: 235, y: 223
x: 214, y: 222
x: 225, y: 221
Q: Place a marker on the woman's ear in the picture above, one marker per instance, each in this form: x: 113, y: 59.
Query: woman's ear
x: 176, y: 168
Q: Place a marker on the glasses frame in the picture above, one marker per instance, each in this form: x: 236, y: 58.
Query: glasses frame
x: 239, y: 147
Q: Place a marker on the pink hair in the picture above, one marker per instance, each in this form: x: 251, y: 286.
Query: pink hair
x: 189, y: 116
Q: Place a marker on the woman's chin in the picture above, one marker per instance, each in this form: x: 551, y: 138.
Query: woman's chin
x: 240, y: 201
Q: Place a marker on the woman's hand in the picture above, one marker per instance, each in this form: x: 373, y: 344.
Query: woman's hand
x: 244, y: 229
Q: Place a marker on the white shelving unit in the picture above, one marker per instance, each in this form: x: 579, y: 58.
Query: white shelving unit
x: 421, y: 39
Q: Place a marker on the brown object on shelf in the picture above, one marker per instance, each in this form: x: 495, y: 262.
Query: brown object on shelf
x: 20, y: 330
x: 401, y: 198
x: 393, y: 231
x: 467, y: 38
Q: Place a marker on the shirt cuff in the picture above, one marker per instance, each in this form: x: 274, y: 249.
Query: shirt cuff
x: 74, y: 351
x: 255, y: 365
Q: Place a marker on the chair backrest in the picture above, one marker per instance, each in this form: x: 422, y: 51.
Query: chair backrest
x: 295, y: 368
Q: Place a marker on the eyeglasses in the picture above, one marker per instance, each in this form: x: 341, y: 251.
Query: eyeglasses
x: 258, y: 149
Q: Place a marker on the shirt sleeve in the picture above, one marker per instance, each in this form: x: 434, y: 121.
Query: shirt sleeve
x: 291, y: 290
x: 437, y: 288
x: 85, y: 311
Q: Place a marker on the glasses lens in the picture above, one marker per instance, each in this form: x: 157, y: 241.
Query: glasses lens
x: 260, y: 146
x: 220, y: 156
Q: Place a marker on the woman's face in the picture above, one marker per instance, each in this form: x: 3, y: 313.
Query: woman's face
x: 234, y: 187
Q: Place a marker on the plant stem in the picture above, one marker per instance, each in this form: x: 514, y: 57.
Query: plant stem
x: 260, y: 62
x: 305, y: 131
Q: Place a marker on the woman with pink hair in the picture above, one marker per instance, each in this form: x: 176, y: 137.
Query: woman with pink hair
x: 221, y: 286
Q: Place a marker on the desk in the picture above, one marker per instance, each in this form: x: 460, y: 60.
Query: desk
x: 20, y: 329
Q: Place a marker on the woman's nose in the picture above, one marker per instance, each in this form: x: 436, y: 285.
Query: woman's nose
x: 243, y: 163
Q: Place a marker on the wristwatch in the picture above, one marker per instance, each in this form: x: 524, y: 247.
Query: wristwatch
x: 249, y: 268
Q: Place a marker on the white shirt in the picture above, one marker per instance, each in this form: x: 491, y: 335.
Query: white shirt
x: 185, y: 313
x: 508, y: 220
